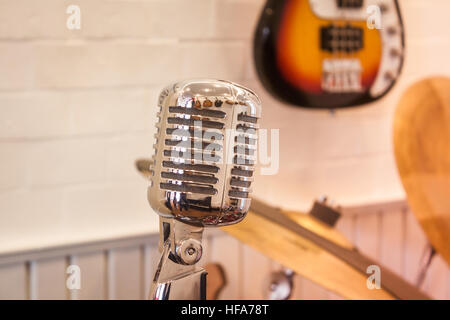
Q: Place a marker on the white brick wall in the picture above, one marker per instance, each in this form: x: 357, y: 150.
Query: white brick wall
x: 77, y: 107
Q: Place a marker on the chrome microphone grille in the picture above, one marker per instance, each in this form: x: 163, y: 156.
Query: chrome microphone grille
x: 205, y: 152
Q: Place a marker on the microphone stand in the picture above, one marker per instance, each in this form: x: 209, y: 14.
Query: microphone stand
x: 192, y: 186
x: 177, y: 276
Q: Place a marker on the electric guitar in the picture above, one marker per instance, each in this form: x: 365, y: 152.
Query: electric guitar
x: 329, y: 53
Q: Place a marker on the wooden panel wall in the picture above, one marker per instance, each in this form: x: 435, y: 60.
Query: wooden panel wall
x: 122, y: 268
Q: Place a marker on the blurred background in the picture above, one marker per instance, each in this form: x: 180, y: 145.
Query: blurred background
x: 77, y: 107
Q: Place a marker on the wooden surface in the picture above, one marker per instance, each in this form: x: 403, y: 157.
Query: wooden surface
x: 422, y: 151
x: 318, y: 252
x: 304, y: 257
x: 320, y: 228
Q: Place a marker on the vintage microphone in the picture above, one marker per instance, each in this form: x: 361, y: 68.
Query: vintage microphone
x: 201, y: 173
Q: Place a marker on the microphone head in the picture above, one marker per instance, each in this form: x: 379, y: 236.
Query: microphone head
x: 205, y: 152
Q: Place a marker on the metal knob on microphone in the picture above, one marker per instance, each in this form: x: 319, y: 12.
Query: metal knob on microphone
x: 205, y: 152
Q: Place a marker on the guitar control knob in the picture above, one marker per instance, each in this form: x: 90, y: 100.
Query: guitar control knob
x: 394, y: 53
x: 389, y: 76
x: 391, y: 31
x: 383, y: 7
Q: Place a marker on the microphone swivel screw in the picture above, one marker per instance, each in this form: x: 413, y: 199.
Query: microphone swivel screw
x: 189, y: 251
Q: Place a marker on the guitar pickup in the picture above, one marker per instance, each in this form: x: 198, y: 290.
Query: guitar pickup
x: 341, y: 39
x: 350, y: 4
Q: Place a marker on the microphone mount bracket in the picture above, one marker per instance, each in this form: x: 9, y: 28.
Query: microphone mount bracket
x: 177, y: 276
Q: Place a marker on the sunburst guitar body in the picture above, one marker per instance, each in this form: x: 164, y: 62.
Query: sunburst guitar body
x: 329, y: 53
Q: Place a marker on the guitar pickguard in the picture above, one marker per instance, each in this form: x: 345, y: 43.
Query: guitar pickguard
x: 390, y: 32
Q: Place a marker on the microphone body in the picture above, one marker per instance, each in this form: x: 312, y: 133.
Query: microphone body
x: 202, y: 170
